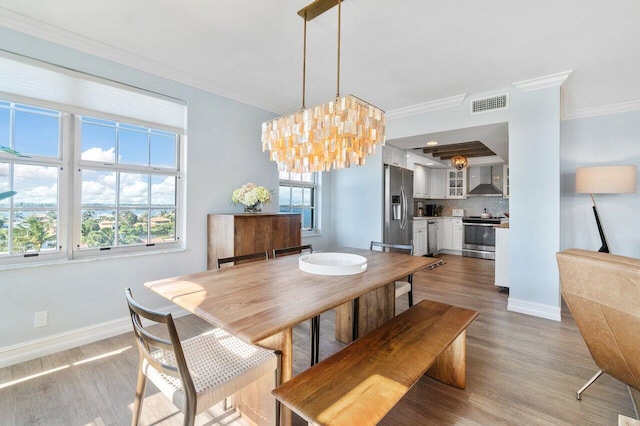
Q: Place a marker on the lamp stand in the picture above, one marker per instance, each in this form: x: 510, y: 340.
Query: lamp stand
x: 603, y: 238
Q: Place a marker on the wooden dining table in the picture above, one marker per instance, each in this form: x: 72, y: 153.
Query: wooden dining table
x: 260, y: 302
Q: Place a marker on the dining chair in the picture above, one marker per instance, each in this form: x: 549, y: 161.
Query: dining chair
x: 264, y: 255
x: 285, y: 251
x: 315, y: 321
x: 402, y: 287
x: 197, y: 373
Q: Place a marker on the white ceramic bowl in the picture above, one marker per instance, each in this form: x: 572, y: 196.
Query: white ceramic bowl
x: 332, y: 263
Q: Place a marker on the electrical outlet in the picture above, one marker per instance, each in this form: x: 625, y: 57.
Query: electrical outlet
x: 41, y: 319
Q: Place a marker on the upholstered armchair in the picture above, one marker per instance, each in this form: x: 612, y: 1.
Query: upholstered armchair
x: 603, y: 294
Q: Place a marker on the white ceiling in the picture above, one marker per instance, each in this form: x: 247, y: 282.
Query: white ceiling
x: 395, y: 54
x: 494, y: 136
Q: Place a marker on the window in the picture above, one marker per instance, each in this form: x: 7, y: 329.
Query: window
x: 97, y: 169
x: 120, y: 194
x: 29, y: 220
x: 298, y: 194
x: 129, y: 180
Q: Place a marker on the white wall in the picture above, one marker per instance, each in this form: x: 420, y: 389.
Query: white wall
x: 534, y: 220
x: 223, y: 152
x: 534, y: 202
x: 599, y: 141
x: 356, y: 203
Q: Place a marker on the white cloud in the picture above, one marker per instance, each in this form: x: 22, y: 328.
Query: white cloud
x: 97, y: 154
x: 24, y: 172
x: 98, y: 187
x: 133, y: 191
x: 39, y: 195
x: 164, y: 192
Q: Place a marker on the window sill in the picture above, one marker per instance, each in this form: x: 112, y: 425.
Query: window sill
x: 52, y: 262
x: 314, y: 233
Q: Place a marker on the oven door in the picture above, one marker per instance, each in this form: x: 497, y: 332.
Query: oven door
x: 479, y: 236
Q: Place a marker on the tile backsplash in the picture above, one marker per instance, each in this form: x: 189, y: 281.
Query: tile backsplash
x: 473, y: 206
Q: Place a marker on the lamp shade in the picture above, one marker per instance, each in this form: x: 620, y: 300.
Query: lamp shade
x: 606, y: 180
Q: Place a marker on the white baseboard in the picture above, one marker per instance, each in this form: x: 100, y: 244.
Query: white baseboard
x: 533, y: 308
x: 41, y: 347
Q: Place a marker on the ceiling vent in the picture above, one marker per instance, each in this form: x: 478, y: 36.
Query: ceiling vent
x: 490, y: 104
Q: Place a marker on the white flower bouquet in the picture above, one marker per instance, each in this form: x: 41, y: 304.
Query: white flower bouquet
x: 251, y: 196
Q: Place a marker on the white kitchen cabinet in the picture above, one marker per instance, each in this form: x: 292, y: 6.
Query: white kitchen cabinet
x: 394, y: 156
x: 450, y: 234
x: 456, y: 234
x: 421, y: 182
x: 419, y: 237
x: 447, y: 233
x: 438, y: 177
x: 418, y: 181
x: 505, y: 181
x: 456, y: 183
x: 440, y: 233
x: 502, y: 257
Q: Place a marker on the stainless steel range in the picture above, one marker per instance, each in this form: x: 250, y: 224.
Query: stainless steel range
x: 479, y: 237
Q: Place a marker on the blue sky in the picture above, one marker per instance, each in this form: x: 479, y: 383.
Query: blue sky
x: 36, y: 133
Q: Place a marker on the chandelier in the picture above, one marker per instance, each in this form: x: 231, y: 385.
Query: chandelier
x: 459, y: 162
x: 335, y: 134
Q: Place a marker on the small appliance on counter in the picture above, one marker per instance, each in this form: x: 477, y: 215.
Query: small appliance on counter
x: 457, y: 212
x: 419, y: 209
x: 430, y: 210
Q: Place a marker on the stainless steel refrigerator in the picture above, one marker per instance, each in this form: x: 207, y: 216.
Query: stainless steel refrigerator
x: 398, y: 205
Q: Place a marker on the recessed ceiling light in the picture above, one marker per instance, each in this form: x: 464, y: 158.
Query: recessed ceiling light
x: 432, y: 143
x: 429, y: 164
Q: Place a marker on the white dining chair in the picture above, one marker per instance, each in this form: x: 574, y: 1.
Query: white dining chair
x: 402, y: 287
x: 197, y: 373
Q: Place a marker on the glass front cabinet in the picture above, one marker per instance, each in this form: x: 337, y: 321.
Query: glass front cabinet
x: 456, y: 183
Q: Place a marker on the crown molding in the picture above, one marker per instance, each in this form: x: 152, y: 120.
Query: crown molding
x: 603, y: 110
x: 543, y: 82
x: 425, y: 107
x: 53, y: 34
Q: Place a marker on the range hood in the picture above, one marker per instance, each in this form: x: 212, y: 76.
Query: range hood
x: 485, y: 188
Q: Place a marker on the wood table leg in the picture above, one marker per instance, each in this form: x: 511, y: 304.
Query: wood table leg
x: 451, y: 366
x: 374, y: 309
x: 283, y: 342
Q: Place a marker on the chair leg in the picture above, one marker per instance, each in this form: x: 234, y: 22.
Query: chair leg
x: 140, y: 389
x: 189, y: 416
x: 315, y: 340
x: 410, y: 294
x: 355, y: 313
x: 589, y: 383
x: 278, y: 383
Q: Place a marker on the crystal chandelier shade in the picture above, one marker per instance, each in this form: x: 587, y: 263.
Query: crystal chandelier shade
x: 335, y: 134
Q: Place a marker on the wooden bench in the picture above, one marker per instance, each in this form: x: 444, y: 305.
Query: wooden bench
x: 363, y: 381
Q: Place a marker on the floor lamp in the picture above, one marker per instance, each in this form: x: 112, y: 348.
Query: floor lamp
x: 605, y: 180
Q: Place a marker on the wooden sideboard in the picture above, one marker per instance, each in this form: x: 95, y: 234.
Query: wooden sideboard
x: 238, y: 234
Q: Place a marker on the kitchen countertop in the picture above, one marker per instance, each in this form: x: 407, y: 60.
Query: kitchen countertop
x: 435, y: 217
x: 504, y: 225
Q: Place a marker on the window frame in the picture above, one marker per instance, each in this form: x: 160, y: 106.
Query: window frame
x: 115, y: 167
x: 315, y: 211
x: 69, y: 206
x: 41, y: 161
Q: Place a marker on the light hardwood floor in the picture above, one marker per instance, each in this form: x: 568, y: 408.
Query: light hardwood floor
x: 521, y: 370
